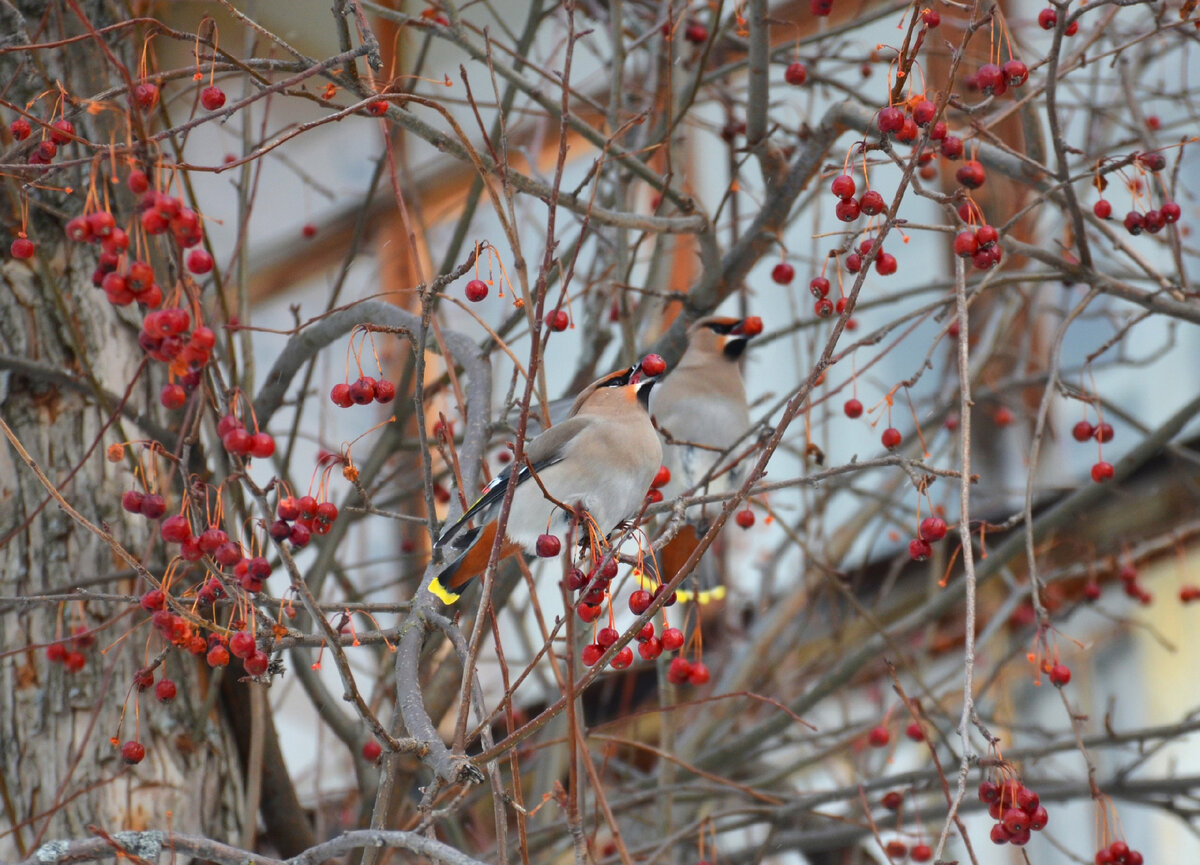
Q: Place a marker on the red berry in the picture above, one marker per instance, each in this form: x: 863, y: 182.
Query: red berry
x: 885, y: 264
x: 1171, y: 212
x: 623, y: 658
x: 262, y: 445
x: 371, y: 750
x: 651, y: 648
x: 932, y: 529
x: 589, y: 612
x: 1103, y: 432
x: 476, y: 290
x: 879, y: 737
x: 966, y: 244
x: 783, y: 273
x: 56, y: 652
x: 891, y: 119
x: 300, y: 535
x: 795, y: 74
x: 819, y: 287
x: 921, y: 852
x: 237, y: 441
x: 218, y: 656
x: 989, y: 79
x: 672, y: 639
x: 847, y: 210
x: 896, y: 849
x: 1082, y: 431
x: 165, y: 691
x: 173, y: 396
x: 640, y: 601
x: 823, y: 308
x: 22, y: 248
x: 74, y: 661
x: 557, y: 320
x: 891, y: 438
x: 951, y: 147
x: 78, y: 229
x: 853, y: 262
x: 699, y: 674
x: 1060, y: 674
x: 212, y: 97
x: 363, y: 390
x: 697, y: 34
x: 385, y: 391
x: 146, y: 95
x: 653, y: 365
x: 1102, y: 209
x: 871, y: 203
x: 1134, y: 222
x: 924, y: 112
x: 853, y: 408
x: 175, y: 530
x: 679, y: 671
x: 662, y: 477
x: 919, y: 549
x: 591, y: 654
x: 242, y: 644
x: 1047, y: 19
x: 1102, y: 471
x: 915, y: 731
x: 745, y: 518
x: 256, y: 664
x: 340, y: 395
x: 970, y: 174
x: 843, y: 186
x: 548, y: 546
x: 892, y: 800
x: 199, y: 261
x: 133, y: 752
x: 1015, y: 73
x: 820, y: 8
x: 20, y: 129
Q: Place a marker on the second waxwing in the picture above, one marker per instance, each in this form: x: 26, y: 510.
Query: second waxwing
x: 602, y: 459
x: 701, y: 412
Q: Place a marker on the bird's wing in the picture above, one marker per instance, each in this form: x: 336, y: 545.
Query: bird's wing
x: 543, y: 451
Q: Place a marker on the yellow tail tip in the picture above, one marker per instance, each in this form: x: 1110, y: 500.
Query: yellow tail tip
x: 443, y: 594
x: 704, y: 596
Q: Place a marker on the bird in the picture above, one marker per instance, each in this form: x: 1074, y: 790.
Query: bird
x: 601, y: 459
x: 701, y: 412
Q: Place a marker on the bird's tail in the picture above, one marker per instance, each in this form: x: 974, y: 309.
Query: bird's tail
x: 705, y: 581
x: 473, y: 548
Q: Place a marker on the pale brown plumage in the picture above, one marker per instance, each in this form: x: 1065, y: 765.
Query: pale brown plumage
x: 602, y: 458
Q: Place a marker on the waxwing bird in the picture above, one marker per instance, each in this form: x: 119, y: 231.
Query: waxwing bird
x: 700, y: 410
x: 601, y: 459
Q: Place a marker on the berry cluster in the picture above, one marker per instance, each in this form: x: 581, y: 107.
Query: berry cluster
x: 982, y: 246
x: 1152, y: 220
x: 1118, y: 853
x: 931, y: 530
x: 994, y: 79
x: 661, y: 479
x: 897, y: 849
x: 362, y: 392
x: 73, y: 658
x: 1048, y: 19
x: 1134, y: 589
x: 152, y: 506
x: 239, y: 440
x: 1103, y: 433
x: 299, y: 519
x: 1017, y: 810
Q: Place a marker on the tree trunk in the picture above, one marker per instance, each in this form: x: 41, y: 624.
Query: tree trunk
x: 62, y: 346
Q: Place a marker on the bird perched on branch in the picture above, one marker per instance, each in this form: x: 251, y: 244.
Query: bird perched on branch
x: 700, y: 410
x: 601, y: 460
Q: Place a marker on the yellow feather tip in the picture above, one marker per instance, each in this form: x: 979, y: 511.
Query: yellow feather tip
x: 443, y: 594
